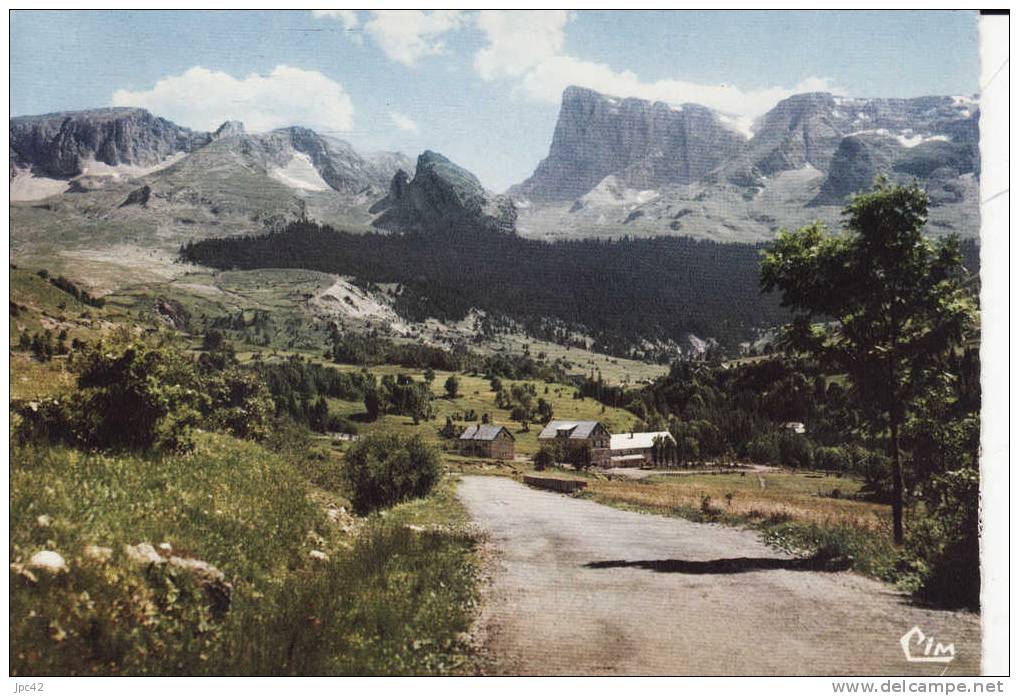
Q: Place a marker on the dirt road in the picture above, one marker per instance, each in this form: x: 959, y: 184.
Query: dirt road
x: 581, y: 588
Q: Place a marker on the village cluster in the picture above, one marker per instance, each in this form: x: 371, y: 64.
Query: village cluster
x: 602, y: 448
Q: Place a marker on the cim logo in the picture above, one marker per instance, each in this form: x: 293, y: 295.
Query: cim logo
x: 921, y: 648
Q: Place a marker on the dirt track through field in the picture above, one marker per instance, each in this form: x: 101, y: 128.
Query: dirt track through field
x: 582, y: 588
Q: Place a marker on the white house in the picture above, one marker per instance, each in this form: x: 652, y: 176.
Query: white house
x: 634, y: 449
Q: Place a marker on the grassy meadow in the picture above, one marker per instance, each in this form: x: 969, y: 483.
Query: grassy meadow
x: 475, y: 393
x: 388, y: 595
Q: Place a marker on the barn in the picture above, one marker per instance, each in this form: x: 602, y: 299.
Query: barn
x: 488, y: 441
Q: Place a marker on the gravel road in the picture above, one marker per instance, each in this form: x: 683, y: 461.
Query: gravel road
x: 581, y: 588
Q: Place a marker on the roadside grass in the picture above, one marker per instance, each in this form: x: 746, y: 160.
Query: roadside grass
x: 386, y: 599
x: 794, y: 511
x: 796, y: 495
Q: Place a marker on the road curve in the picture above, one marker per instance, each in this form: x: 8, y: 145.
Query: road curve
x: 581, y: 588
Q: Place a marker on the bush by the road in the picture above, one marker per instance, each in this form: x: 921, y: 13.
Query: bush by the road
x: 384, y: 469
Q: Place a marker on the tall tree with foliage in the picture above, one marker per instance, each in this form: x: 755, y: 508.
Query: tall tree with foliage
x: 452, y: 386
x: 880, y: 302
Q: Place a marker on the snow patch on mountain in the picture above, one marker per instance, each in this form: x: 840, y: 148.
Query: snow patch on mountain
x: 906, y: 139
x: 299, y: 173
x: 611, y: 192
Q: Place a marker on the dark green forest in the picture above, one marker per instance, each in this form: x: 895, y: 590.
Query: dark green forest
x: 619, y: 291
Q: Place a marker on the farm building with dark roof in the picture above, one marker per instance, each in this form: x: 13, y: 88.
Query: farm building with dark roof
x: 489, y: 441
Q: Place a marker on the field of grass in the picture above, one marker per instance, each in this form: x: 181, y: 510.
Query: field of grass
x: 803, y: 512
x: 476, y: 394
x: 387, y: 597
x: 613, y: 370
x: 794, y: 495
x: 41, y: 306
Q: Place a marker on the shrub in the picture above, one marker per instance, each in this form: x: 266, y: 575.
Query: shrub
x: 763, y: 449
x: 795, y: 450
x: 945, y: 544
x: 831, y: 459
x: 384, y: 469
x: 544, y: 459
x: 241, y: 402
x: 137, y: 395
x: 129, y: 396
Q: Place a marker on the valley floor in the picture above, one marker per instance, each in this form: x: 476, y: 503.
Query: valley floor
x: 580, y: 588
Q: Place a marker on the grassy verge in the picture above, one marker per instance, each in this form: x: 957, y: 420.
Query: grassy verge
x: 794, y: 511
x: 387, y: 595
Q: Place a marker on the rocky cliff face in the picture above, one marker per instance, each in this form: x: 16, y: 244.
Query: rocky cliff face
x: 810, y: 129
x: 341, y: 167
x: 442, y: 196
x: 58, y: 145
x: 626, y: 166
x: 229, y: 129
x: 643, y: 144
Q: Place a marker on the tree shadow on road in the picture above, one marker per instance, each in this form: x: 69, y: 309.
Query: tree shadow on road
x: 726, y: 566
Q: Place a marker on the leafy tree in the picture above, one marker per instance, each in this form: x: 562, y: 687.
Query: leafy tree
x: 242, y: 404
x: 881, y: 303
x: 318, y: 414
x: 449, y: 430
x: 544, y: 411
x: 452, y: 386
x: 383, y: 469
x: 372, y: 404
x: 429, y: 376
x: 134, y: 395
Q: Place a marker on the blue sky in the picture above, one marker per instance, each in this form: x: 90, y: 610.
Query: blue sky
x: 482, y: 89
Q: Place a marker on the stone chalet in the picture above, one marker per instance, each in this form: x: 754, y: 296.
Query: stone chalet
x: 488, y: 441
x: 634, y: 449
x: 590, y: 435
x: 607, y: 450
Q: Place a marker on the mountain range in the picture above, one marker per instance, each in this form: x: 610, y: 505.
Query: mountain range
x: 628, y: 166
x: 616, y: 167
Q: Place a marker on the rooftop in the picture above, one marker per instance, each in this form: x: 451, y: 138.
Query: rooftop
x: 578, y: 430
x: 484, y: 431
x: 625, y: 441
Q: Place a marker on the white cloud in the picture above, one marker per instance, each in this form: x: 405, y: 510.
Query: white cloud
x: 407, y: 36
x: 403, y: 122
x: 203, y: 99
x: 347, y: 18
x: 518, y: 41
x: 528, y: 48
x: 548, y: 79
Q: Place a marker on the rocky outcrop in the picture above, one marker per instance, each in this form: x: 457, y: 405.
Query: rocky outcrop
x: 628, y: 166
x: 229, y: 129
x: 218, y: 590
x: 59, y: 145
x: 443, y: 196
x: 645, y: 145
x: 340, y: 166
x: 809, y: 130
x: 140, y: 196
x: 855, y: 164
